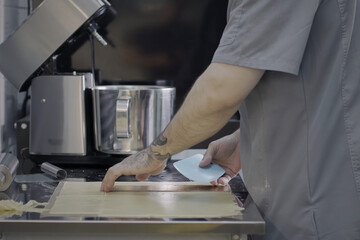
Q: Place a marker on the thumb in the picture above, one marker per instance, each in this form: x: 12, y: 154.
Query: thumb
x: 207, y: 159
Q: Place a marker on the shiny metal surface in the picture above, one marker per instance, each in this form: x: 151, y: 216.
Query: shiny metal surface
x: 128, y: 118
x: 169, y: 187
x: 53, y: 170
x: 249, y: 222
x: 58, y: 115
x: 122, y: 118
x: 8, y: 167
x: 12, y: 13
x: 44, y: 31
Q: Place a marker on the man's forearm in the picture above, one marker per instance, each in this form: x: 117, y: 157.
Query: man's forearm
x: 211, y: 102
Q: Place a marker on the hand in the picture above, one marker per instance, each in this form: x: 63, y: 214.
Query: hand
x: 142, y: 164
x: 225, y: 152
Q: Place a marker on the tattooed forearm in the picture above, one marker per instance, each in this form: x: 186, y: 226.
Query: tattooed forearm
x: 161, y: 157
x: 158, y: 144
x: 141, y: 154
x: 160, y: 140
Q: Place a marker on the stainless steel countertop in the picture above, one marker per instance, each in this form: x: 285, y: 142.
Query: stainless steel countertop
x: 250, y: 222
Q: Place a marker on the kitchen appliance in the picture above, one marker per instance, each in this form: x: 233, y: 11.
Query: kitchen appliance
x: 123, y: 119
x: 71, y: 120
x: 128, y: 118
x: 59, y: 123
x: 57, y: 116
x: 49, y: 30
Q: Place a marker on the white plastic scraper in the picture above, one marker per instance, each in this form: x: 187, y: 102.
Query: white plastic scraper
x: 189, y: 167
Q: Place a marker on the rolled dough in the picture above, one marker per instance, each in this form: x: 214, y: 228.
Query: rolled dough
x: 85, y: 199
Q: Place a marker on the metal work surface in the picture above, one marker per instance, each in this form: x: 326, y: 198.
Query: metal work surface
x: 249, y: 222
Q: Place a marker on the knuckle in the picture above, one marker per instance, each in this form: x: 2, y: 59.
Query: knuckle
x: 213, y: 146
x: 111, y: 172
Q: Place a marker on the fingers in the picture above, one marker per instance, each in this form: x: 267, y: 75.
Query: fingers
x: 109, y: 179
x: 135, y: 164
x: 208, y: 157
x: 224, y: 180
x: 214, y: 183
x: 205, y: 161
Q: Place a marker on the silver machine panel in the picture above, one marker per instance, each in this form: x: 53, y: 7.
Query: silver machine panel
x: 12, y: 14
x: 43, y: 32
x: 58, y: 115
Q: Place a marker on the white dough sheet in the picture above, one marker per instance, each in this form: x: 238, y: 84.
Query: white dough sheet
x: 143, y: 200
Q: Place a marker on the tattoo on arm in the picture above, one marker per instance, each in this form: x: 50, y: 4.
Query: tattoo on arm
x: 162, y: 157
x: 140, y: 154
x: 160, y: 141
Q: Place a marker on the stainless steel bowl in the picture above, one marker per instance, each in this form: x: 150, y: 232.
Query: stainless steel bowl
x: 129, y: 117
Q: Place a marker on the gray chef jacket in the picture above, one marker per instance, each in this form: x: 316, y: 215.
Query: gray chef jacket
x: 300, y: 126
